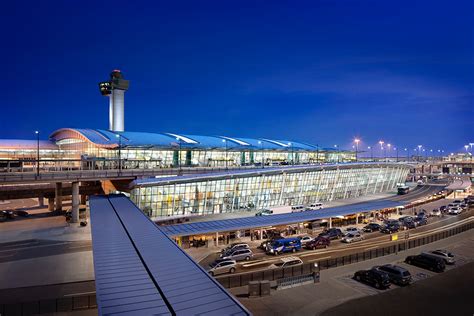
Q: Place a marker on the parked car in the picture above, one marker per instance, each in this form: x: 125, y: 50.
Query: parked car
x: 222, y: 266
x: 421, y: 221
x: 391, y: 222
x: 22, y: 213
x: 305, y: 239
x: 286, y: 263
x: 443, y: 208
x: 409, y: 224
x: 332, y: 233
x: 398, y: 275
x: 318, y: 242
x: 427, y: 261
x: 264, y: 212
x: 8, y: 214
x: 235, y: 246
x: 374, y: 277
x: 435, y: 213
x: 456, y: 202
x: 463, y: 206
x: 454, y: 211
x: 238, y: 255
x: 284, y: 245
x: 445, y: 255
x: 353, y: 230
x: 372, y: 227
x: 422, y: 213
x: 352, y: 237
x: 390, y: 229
x: 315, y: 206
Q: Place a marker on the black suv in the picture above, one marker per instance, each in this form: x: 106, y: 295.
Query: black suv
x: 397, y: 274
x: 372, y: 227
x: 427, y: 261
x: 389, y: 229
x: 332, y: 233
x: 374, y: 277
x: 421, y: 220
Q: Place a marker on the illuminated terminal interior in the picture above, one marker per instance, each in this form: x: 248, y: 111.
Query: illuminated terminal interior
x: 203, y: 194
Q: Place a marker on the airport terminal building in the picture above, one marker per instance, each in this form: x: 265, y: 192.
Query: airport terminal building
x: 102, y: 149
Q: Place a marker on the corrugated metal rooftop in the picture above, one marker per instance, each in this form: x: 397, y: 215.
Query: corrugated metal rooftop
x: 140, y: 271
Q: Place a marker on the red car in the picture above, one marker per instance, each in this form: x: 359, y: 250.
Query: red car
x: 319, y: 242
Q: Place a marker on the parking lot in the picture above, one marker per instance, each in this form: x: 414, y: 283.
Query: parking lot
x: 261, y: 260
x: 337, y: 285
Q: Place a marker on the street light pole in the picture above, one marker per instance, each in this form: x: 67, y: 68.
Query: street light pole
x: 381, y: 146
x: 389, y: 147
x: 408, y: 154
x: 179, y: 154
x: 291, y: 151
x: 357, y: 147
x: 119, y: 136
x: 225, y: 142
x: 371, y: 153
x: 37, y: 153
x: 419, y: 152
x: 263, y: 157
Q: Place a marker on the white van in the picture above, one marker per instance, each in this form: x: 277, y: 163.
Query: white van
x: 315, y: 206
x: 297, y: 208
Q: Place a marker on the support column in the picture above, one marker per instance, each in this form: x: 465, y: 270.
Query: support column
x: 330, y: 222
x: 357, y: 218
x: 50, y: 204
x: 261, y: 234
x: 58, y: 196
x: 75, y: 202
x: 41, y: 201
x: 217, y: 239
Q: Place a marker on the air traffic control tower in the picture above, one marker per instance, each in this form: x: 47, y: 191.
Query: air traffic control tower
x: 115, y: 89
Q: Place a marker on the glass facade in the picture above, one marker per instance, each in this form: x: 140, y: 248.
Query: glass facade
x: 229, y: 194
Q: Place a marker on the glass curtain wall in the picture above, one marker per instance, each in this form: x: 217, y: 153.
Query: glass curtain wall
x: 254, y: 192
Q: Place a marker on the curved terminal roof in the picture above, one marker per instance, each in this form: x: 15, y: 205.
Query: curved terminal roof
x: 110, y: 139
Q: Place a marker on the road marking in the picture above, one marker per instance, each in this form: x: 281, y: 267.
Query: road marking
x: 323, y: 258
x: 74, y: 294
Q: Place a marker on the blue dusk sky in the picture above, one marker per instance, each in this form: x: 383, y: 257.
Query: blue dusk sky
x: 321, y: 72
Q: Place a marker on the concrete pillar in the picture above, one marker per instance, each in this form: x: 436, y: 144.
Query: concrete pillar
x: 41, y: 201
x: 330, y: 222
x: 357, y: 218
x: 75, y: 202
x: 261, y: 234
x: 50, y: 204
x: 217, y: 239
x: 58, y: 195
